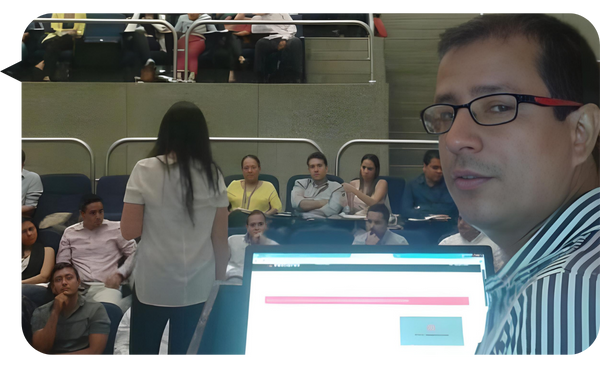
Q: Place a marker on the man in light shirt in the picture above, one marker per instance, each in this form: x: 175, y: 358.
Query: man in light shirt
x: 256, y: 224
x: 468, y: 235
x: 95, y: 246
x: 31, y: 189
x: 317, y: 196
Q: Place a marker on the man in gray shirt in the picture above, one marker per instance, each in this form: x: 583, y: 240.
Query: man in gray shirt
x: 31, y: 189
x: 317, y: 196
x: 69, y: 324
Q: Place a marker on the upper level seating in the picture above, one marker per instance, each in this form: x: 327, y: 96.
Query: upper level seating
x: 101, y: 56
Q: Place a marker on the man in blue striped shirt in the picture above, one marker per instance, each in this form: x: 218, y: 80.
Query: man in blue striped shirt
x: 516, y: 109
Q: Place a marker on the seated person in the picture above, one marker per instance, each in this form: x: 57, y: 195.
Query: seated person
x: 31, y: 189
x: 256, y: 224
x: 427, y: 194
x: 251, y: 193
x: 468, y: 235
x: 243, y: 34
x: 317, y: 196
x: 377, y: 231
x: 62, y: 39
x: 69, y: 324
x: 94, y: 247
x: 134, y: 38
x: 196, y: 44
x: 36, y: 259
x: 368, y: 189
x: 280, y: 40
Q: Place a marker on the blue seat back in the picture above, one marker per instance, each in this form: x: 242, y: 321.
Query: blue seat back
x: 292, y: 181
x: 104, y: 33
x: 395, y: 191
x: 112, y: 191
x: 114, y: 314
x: 62, y: 193
x: 322, y: 235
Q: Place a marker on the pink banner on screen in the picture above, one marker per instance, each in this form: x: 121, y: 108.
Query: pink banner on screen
x: 442, y: 300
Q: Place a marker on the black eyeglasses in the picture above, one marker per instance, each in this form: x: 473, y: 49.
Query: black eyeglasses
x: 494, y: 109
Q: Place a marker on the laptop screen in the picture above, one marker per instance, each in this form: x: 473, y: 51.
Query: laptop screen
x: 334, y: 303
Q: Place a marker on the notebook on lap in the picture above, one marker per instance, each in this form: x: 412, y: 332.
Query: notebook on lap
x: 393, y: 300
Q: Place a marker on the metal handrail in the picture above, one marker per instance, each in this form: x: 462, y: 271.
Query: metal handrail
x: 300, y: 22
x: 221, y: 139
x: 89, y: 149
x: 121, y: 21
x: 376, y: 141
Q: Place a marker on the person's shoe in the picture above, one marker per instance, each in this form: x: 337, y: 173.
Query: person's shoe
x: 192, y: 77
x: 148, y: 71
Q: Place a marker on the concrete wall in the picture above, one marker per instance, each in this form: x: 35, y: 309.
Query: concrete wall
x: 101, y: 113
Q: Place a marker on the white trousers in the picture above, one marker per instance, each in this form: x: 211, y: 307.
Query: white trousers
x: 100, y: 293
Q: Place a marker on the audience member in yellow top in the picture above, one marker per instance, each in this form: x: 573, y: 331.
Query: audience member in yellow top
x: 60, y: 40
x: 253, y: 194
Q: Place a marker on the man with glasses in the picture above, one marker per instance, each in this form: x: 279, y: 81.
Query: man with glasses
x: 516, y: 111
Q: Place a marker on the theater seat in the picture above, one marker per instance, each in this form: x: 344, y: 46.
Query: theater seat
x: 395, y: 191
x: 114, y: 314
x: 62, y: 193
x: 321, y: 235
x: 292, y: 181
x: 112, y: 191
x: 50, y: 237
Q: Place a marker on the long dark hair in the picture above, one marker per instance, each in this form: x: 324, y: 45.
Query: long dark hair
x: 22, y: 220
x: 375, y: 160
x: 183, y: 131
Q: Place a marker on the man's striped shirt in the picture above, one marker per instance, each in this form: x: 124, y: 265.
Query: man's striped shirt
x: 546, y: 299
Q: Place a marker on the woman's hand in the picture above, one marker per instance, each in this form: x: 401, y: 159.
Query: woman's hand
x: 349, y: 188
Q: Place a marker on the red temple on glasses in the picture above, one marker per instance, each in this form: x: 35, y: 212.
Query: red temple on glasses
x: 554, y: 102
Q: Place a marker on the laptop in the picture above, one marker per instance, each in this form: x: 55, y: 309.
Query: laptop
x: 392, y: 300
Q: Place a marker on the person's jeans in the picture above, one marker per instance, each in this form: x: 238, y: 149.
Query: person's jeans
x: 148, y: 323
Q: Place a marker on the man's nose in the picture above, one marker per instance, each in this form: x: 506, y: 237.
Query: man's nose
x: 464, y: 134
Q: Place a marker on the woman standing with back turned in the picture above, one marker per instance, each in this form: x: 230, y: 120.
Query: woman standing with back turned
x: 177, y: 201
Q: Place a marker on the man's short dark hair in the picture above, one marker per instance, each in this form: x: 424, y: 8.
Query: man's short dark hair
x: 256, y: 212
x: 23, y: 157
x: 381, y: 208
x: 318, y: 155
x: 430, y: 155
x: 59, y: 266
x: 88, y: 199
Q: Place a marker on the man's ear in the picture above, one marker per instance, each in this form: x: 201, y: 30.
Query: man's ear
x: 586, y: 133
